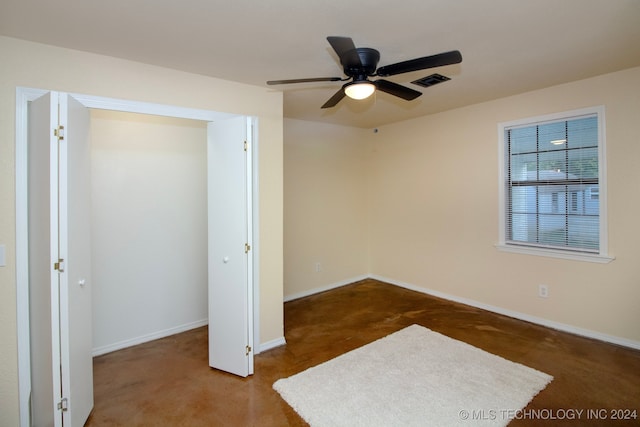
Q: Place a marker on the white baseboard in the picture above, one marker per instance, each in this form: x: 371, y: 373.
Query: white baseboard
x: 325, y: 288
x: 172, y: 331
x: 271, y: 344
x: 516, y: 315
x: 98, y: 351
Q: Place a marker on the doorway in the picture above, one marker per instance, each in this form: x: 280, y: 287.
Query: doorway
x: 149, y: 227
x: 24, y: 96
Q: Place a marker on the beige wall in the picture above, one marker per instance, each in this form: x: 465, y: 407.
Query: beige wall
x: 325, y: 209
x: 432, y: 209
x: 39, y: 66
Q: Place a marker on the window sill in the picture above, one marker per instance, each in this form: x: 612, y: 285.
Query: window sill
x: 551, y: 253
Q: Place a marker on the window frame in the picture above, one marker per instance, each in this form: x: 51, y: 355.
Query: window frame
x: 601, y: 256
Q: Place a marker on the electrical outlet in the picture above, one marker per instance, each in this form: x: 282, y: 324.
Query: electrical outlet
x: 318, y: 267
x: 543, y: 291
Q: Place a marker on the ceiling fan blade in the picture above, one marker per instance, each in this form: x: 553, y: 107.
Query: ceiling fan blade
x: 397, y: 90
x: 337, y: 97
x: 345, y: 49
x: 313, y: 79
x: 439, y: 60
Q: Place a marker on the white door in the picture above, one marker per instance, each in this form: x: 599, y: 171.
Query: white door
x: 59, y: 175
x: 43, y: 280
x: 75, y: 248
x: 230, y: 281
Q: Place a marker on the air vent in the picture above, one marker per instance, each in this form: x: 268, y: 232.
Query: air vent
x: 431, y: 80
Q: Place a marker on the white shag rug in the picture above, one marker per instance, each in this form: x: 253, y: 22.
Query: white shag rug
x: 413, y: 377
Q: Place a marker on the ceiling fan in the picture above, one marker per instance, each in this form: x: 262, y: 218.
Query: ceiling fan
x: 360, y: 63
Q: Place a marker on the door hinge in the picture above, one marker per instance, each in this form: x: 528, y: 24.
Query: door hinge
x: 63, y: 405
x: 247, y: 248
x: 59, y: 132
x: 245, y: 146
x: 59, y: 265
x: 248, y: 350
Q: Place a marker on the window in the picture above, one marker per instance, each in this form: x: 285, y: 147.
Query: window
x: 552, y: 192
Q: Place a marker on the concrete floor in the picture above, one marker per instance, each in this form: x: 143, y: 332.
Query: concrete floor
x: 167, y: 382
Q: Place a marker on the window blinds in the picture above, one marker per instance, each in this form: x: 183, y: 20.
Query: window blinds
x: 552, y: 187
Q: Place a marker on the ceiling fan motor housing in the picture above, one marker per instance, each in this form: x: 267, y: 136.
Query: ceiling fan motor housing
x: 361, y: 62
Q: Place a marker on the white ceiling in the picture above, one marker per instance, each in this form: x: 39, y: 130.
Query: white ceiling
x: 508, y: 46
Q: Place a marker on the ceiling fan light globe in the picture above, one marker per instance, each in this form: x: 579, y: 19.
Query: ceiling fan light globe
x: 359, y: 90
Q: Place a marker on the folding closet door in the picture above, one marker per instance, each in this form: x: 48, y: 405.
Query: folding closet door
x: 230, y: 252
x: 59, y: 261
